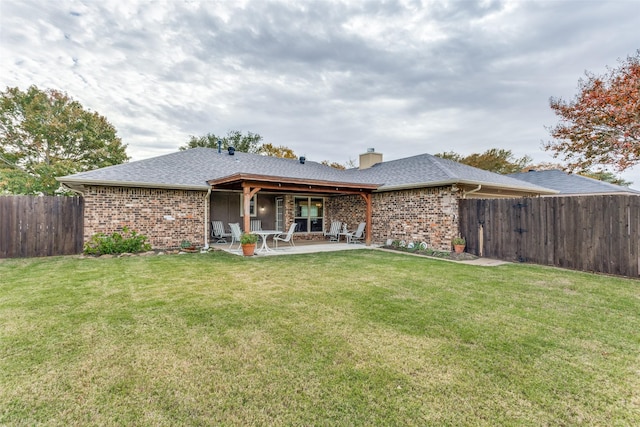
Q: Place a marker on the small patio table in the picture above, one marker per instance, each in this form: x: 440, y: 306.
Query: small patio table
x: 264, y: 234
x: 346, y: 235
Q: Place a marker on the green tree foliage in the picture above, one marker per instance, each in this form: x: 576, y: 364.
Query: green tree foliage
x: 601, y: 125
x: 606, y: 176
x: 44, y: 134
x: 249, y: 143
x: 494, y: 160
x: 450, y: 155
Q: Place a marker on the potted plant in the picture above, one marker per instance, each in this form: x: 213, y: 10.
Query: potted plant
x: 248, y: 242
x: 187, y: 246
x: 459, y: 244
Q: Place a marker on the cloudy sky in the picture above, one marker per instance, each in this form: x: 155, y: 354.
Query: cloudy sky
x: 328, y: 79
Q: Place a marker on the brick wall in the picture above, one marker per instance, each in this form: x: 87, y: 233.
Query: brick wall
x: 426, y: 215
x: 166, y: 217
x: 349, y: 209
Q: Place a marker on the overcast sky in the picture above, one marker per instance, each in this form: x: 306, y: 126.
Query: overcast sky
x: 328, y: 79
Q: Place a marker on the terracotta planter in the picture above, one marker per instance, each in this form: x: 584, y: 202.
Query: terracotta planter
x: 248, y: 249
x: 458, y: 248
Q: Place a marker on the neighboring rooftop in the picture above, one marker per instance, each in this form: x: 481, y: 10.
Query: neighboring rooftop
x: 571, y: 184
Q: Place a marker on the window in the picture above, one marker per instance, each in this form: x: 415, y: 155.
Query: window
x: 252, y: 205
x: 309, y: 213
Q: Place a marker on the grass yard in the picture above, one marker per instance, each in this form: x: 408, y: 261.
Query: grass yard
x: 344, y: 338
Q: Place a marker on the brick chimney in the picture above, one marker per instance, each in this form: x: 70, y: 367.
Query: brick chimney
x: 369, y: 158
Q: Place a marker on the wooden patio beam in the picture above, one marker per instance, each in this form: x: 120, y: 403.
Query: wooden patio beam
x: 305, y: 188
x: 368, y: 214
x: 248, y: 193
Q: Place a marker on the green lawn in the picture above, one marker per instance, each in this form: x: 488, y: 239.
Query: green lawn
x: 344, y: 338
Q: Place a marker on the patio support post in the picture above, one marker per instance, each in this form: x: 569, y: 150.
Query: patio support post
x: 248, y: 193
x: 367, y: 230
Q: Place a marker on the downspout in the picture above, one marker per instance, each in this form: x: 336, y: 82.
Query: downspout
x: 73, y: 189
x: 206, y: 219
x: 464, y: 193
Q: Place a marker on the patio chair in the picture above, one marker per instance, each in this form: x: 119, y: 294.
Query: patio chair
x: 287, y: 238
x: 218, y: 233
x: 236, y: 234
x: 334, y: 231
x: 358, y: 235
x: 256, y: 225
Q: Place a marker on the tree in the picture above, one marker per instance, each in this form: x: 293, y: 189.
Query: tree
x: 494, y: 160
x: 249, y: 143
x: 601, y: 126
x: 334, y: 165
x: 545, y: 166
x: 44, y: 134
x: 451, y: 155
x: 279, y: 151
x: 606, y: 176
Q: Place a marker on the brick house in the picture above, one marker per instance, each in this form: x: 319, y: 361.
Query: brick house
x: 175, y: 197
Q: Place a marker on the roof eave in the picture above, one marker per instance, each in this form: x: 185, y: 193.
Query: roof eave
x: 108, y: 183
x: 602, y: 193
x: 537, y: 190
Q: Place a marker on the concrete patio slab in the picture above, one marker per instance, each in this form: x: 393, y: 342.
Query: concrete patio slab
x: 313, y: 247
x: 302, y: 248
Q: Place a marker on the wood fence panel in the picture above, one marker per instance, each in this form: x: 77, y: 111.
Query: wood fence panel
x: 588, y: 233
x: 33, y: 226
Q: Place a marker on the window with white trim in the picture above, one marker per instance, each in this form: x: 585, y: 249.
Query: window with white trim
x: 309, y: 214
x: 252, y: 205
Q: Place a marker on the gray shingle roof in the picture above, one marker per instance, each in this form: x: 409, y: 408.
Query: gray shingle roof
x: 194, y: 167
x: 571, y: 184
x: 191, y: 169
x: 430, y: 170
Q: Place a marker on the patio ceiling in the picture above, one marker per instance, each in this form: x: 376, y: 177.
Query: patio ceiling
x: 289, y: 185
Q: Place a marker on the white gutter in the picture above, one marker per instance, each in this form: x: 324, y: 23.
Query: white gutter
x: 135, y: 184
x: 464, y: 193
x: 206, y: 218
x: 523, y: 188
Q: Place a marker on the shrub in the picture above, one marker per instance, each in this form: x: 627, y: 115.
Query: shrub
x: 129, y: 241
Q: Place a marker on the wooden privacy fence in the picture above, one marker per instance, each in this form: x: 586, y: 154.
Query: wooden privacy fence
x: 588, y: 233
x: 32, y: 226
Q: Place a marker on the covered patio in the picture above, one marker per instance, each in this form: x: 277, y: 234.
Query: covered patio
x: 250, y: 185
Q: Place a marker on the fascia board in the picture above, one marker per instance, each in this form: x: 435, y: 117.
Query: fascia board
x: 107, y: 183
x: 539, y: 190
